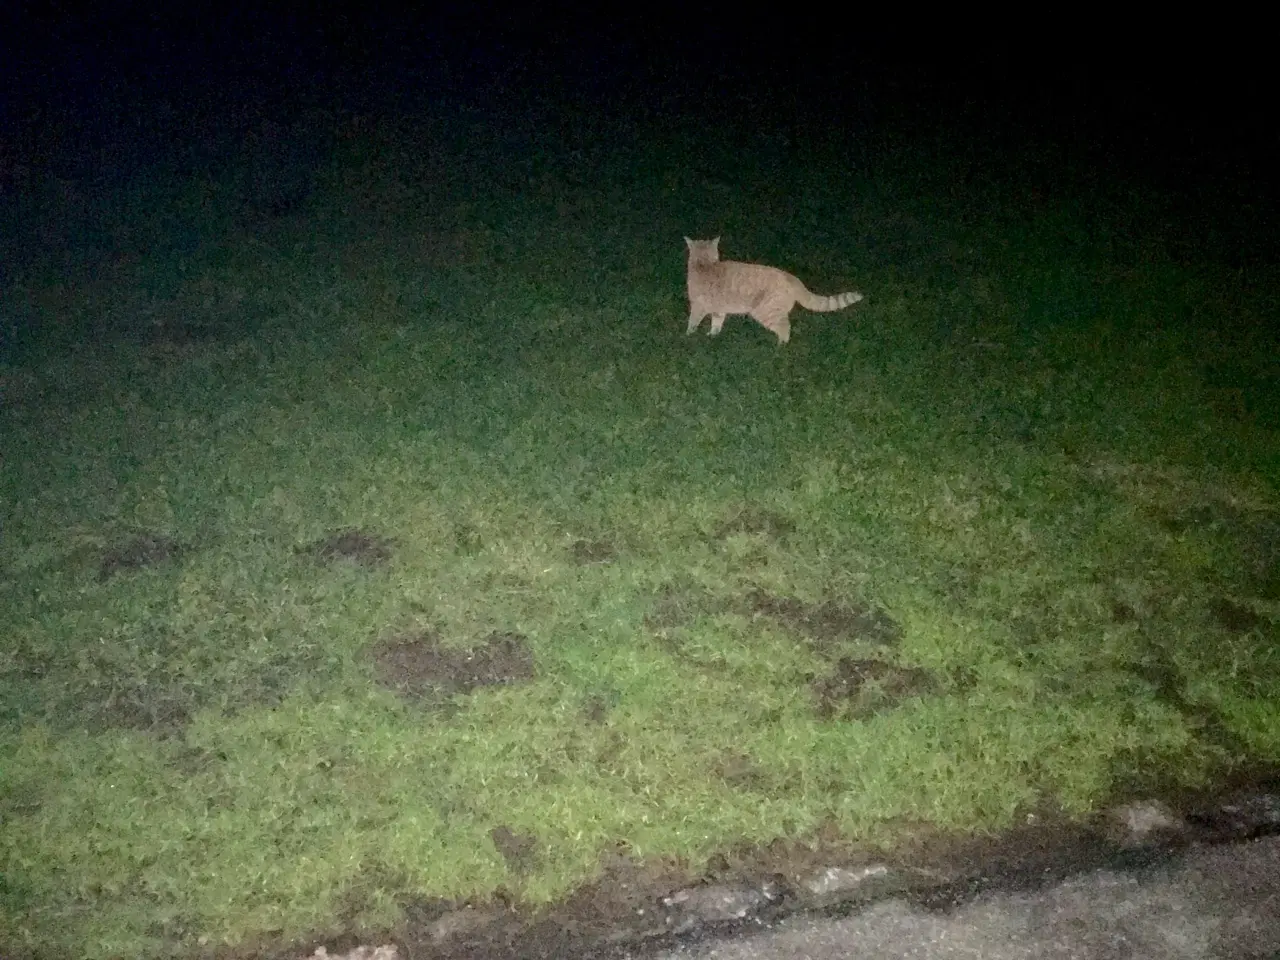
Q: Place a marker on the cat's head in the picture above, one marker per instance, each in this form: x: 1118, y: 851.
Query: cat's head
x: 704, y: 251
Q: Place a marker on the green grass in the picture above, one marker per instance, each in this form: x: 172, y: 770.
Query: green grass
x: 1047, y: 453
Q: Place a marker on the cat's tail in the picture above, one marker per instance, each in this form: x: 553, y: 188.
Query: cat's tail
x: 838, y: 301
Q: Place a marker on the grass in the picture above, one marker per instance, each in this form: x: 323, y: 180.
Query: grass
x: 1024, y: 496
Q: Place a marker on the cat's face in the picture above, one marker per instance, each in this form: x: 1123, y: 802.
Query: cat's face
x: 707, y: 251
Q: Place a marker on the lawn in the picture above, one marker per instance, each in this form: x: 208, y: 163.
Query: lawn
x: 372, y: 533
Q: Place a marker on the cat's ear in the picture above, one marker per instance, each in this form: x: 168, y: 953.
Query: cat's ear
x: 715, y: 244
x: 688, y: 242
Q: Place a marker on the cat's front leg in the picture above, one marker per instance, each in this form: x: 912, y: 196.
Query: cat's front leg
x: 695, y: 321
x: 717, y: 321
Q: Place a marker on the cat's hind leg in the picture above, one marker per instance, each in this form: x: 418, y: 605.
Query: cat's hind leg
x: 695, y: 320
x: 775, y: 317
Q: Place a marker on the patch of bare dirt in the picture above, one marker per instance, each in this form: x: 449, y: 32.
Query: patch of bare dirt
x: 1234, y: 617
x: 591, y: 552
x: 142, y: 550
x: 1123, y: 612
x: 420, y: 667
x: 596, y: 709
x: 827, y: 624
x: 139, y: 708
x: 622, y: 906
x: 860, y: 687
x: 519, y: 851
x: 824, y: 625
x: 352, y: 545
x: 854, y: 687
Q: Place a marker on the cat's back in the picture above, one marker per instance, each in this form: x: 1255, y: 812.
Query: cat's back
x: 737, y: 281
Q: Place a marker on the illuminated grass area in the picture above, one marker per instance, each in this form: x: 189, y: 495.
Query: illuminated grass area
x: 1000, y: 538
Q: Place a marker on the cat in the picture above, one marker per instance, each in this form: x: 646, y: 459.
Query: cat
x: 721, y: 287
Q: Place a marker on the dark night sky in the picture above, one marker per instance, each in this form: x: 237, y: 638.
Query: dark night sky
x: 1190, y: 101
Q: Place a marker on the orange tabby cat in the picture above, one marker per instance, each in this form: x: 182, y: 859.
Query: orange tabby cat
x: 721, y: 287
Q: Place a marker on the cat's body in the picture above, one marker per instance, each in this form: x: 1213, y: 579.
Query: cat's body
x: 767, y: 294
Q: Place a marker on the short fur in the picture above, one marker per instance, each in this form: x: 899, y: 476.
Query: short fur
x: 767, y: 294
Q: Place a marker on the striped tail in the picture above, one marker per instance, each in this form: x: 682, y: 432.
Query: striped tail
x: 811, y: 301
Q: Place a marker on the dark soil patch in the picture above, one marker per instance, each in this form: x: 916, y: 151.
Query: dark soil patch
x: 419, y: 667
x: 351, y: 545
x: 587, y: 552
x: 1233, y: 617
x: 620, y: 906
x: 596, y: 709
x: 143, y: 550
x: 859, y: 688
x: 519, y: 850
x: 139, y: 708
x: 752, y: 520
x: 827, y: 624
x: 1123, y: 612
